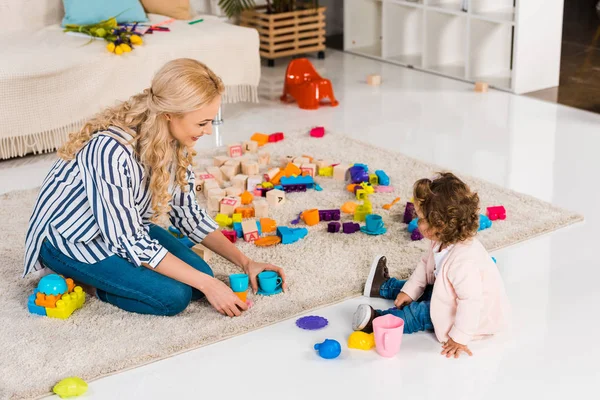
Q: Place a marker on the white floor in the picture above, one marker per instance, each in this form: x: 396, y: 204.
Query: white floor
x: 543, y: 149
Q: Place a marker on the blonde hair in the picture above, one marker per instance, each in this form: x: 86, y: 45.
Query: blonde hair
x: 180, y: 86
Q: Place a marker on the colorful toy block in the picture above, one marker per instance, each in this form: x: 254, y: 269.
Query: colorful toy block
x: 246, y: 198
x: 203, y: 252
x: 276, y: 137
x: 340, y: 171
x: 484, y: 222
x: 175, y: 232
x: 294, y: 188
x: 308, y: 169
x: 496, y: 212
x: 264, y: 158
x: 235, y: 150
x: 253, y: 181
x: 333, y: 227
x: 236, y: 217
x: 361, y: 194
x: 250, y: 146
x: 34, y: 308
x: 47, y: 300
x: 230, y: 235
x: 217, y: 174
x: 358, y: 174
x: 260, y: 138
x: 239, y: 181
x: 271, y: 174
x: 261, y: 208
x: 409, y: 213
x: 68, y: 303
x: 268, y: 225
x: 234, y: 191
x: 53, y: 284
x: 329, y: 215
x: 250, y: 230
x: 276, y: 197
x: 229, y: 204
x: 350, y: 227
x: 384, y: 189
x: 373, y: 179
x: 416, y: 235
x: 383, y: 178
x: 308, y: 181
x: 326, y: 171
x: 414, y: 224
x: 291, y: 235
x: 219, y: 161
x: 239, y: 231
x: 247, y: 212
x: 317, y: 132
x: 223, y: 220
x: 257, y: 192
x: 277, y: 178
x: 291, y: 170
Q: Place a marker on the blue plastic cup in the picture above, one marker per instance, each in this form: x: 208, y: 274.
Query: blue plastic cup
x: 238, y: 282
x: 374, y: 222
x: 269, y: 281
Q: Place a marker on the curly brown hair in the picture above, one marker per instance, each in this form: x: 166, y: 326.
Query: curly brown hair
x: 449, y: 207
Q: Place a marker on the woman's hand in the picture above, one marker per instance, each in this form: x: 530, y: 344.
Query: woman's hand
x: 253, y: 268
x: 402, y: 300
x: 222, y: 298
x: 451, y: 348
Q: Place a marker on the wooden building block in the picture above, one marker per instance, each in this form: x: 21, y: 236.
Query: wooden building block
x: 250, y: 230
x: 218, y: 161
x: 481, y: 87
x: 216, y: 173
x: 216, y: 192
x: 250, y: 146
x: 374, y: 80
x: 271, y: 174
x: 229, y: 171
x: 308, y: 169
x: 301, y: 160
x: 261, y: 208
x: 214, y: 203
x: 323, y: 163
x: 239, y: 181
x: 253, y: 181
x: 236, y: 164
x: 285, y: 160
x: 264, y: 158
x: 208, y: 185
x: 203, y: 252
x: 229, y: 204
x: 276, y: 197
x: 235, y: 150
x: 260, y: 138
x: 234, y: 191
x: 339, y: 172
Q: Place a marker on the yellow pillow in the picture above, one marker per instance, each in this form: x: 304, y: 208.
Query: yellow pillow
x: 178, y: 9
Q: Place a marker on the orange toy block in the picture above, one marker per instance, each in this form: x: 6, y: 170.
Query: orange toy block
x: 247, y: 212
x: 306, y: 86
x: 246, y: 198
x: 260, y: 138
x: 268, y: 225
x: 49, y: 301
x: 291, y: 170
x: 277, y: 178
x: 70, y: 284
x: 250, y: 230
x: 271, y: 174
x: 235, y: 150
x: 261, y: 208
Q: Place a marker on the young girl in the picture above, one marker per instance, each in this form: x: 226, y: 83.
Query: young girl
x: 128, y: 167
x: 456, y: 288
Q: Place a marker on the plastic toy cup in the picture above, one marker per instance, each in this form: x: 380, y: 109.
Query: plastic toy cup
x: 269, y: 281
x: 374, y: 222
x: 311, y: 217
x: 238, y: 282
x: 243, y: 296
x: 388, y: 331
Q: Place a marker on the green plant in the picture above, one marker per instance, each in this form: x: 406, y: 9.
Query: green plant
x: 233, y: 8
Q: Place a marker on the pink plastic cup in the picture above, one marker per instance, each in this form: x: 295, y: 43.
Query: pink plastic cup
x: 388, y: 334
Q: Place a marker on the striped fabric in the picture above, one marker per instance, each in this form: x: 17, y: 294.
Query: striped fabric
x: 99, y: 204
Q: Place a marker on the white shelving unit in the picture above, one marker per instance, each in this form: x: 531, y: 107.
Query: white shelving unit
x: 512, y: 45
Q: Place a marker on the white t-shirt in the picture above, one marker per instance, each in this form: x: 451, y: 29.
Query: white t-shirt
x: 439, y: 257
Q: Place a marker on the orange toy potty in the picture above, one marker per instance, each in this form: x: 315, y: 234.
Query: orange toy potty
x: 306, y: 86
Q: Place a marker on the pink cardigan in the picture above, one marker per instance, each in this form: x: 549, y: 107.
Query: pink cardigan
x: 468, y: 299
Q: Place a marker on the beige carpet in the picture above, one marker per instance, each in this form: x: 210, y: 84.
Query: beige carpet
x: 322, y: 269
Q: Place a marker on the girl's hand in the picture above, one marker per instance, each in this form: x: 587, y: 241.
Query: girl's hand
x: 254, y: 268
x: 451, y: 348
x: 402, y: 300
x: 222, y: 298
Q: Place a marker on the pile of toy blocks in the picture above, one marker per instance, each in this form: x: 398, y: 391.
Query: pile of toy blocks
x: 56, y: 297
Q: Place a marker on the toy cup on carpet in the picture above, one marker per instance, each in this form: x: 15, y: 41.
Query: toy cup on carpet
x: 388, y: 331
x: 374, y: 222
x: 311, y: 217
x: 269, y: 282
x: 239, y: 285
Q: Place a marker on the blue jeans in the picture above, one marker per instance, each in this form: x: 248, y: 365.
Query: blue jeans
x: 415, y: 315
x: 136, y: 289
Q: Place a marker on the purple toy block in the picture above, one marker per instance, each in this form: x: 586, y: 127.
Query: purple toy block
x: 409, y: 213
x: 333, y: 227
x: 329, y: 215
x: 294, y: 188
x: 351, y: 227
x: 416, y: 235
x: 358, y: 174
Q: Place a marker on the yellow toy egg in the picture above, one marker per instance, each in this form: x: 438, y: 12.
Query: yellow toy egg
x: 118, y: 50
x: 361, y: 341
x: 135, y: 39
x: 125, y: 47
x: 70, y: 387
x: 110, y: 47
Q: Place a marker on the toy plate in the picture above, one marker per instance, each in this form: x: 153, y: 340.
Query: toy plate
x: 262, y: 293
x: 383, y: 230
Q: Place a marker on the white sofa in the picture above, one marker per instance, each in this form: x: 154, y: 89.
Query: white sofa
x: 51, y: 82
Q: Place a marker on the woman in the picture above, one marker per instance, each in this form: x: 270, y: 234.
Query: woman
x: 128, y: 167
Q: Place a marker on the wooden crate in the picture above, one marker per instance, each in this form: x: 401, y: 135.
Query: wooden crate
x: 289, y: 33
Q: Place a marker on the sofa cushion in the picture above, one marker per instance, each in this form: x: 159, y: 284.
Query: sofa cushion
x: 85, y: 12
x: 178, y: 9
x: 29, y: 15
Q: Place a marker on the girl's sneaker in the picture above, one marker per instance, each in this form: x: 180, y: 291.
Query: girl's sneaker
x: 363, y: 318
x: 377, y: 276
